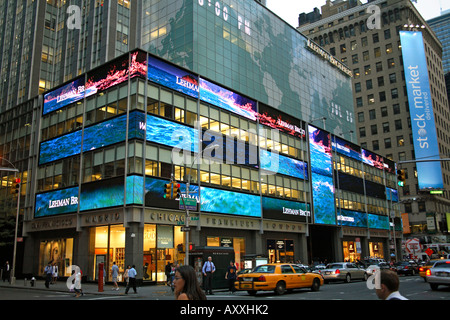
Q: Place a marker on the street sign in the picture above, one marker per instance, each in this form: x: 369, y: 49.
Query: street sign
x: 185, y: 229
x: 191, y: 204
x: 195, y: 218
x: 413, y: 246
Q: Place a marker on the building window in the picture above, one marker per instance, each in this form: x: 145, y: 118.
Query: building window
x: 391, y: 63
x: 364, y: 42
x: 343, y: 48
x: 377, y: 52
x: 354, y: 58
x: 366, y: 56
x: 354, y: 45
x: 389, y: 48
x: 387, y: 34
x: 358, y: 87
x: 394, y: 93
x: 369, y: 84
x: 360, y: 116
x: 375, y: 145
x: 371, y: 99
x: 379, y: 66
x: 356, y: 73
x: 382, y: 95
x: 387, y: 143
x: 359, y: 102
x: 392, y: 78
x: 384, y: 112
x: 367, y: 70
x: 362, y: 132
x: 396, y: 108
x: 375, y: 38
x: 386, y: 127
x: 374, y: 129
x: 372, y: 114
x: 398, y: 124
x: 400, y: 141
x: 380, y: 81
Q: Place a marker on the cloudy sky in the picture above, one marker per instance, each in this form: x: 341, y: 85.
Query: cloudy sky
x: 289, y: 10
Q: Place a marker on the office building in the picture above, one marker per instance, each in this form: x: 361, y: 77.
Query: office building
x: 288, y: 183
x: 440, y: 26
x: 385, y: 121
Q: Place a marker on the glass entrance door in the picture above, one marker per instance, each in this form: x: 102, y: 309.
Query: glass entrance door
x: 164, y: 256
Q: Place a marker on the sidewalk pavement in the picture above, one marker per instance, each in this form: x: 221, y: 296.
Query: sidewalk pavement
x: 149, y: 291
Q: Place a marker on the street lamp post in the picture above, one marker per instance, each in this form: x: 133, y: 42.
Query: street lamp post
x: 188, y: 184
x: 13, y: 269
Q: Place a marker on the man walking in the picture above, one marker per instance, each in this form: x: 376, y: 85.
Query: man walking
x: 48, y: 271
x: 208, y: 270
x: 132, y: 279
x: 115, y: 275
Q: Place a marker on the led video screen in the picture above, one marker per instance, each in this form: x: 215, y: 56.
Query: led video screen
x: 279, y: 209
x: 284, y: 165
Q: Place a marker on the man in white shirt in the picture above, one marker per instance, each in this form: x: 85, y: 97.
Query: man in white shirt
x: 208, y: 269
x: 132, y: 279
x: 389, y: 283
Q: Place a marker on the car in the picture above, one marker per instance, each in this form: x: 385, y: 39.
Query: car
x: 439, y: 274
x: 374, y: 267
x: 278, y: 277
x: 244, y: 271
x: 343, y: 271
x: 407, y: 267
x: 423, y: 269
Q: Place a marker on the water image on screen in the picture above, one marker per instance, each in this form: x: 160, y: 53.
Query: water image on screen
x: 228, y: 100
x: 172, y: 77
x: 63, y: 96
x: 56, y: 202
x: 322, y: 176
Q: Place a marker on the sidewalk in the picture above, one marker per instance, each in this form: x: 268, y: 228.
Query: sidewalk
x: 149, y: 291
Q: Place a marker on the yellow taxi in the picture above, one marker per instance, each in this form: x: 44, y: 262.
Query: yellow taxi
x: 278, y: 277
x: 423, y: 269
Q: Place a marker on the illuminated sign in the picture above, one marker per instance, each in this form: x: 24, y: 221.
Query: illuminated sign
x: 421, y: 109
x: 313, y: 47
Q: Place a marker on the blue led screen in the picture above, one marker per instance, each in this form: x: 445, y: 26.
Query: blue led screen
x: 275, y: 208
x: 378, y: 222
x: 63, y: 96
x: 172, y: 77
x: 284, y: 165
x: 426, y: 145
x: 56, y: 202
x: 322, y: 176
x: 350, y: 218
x: 346, y: 148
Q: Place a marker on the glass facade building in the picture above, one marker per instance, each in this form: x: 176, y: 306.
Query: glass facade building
x: 268, y: 113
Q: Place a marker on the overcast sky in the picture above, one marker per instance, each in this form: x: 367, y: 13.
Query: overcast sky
x: 289, y: 10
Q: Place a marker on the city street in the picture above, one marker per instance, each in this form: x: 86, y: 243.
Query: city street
x: 412, y: 287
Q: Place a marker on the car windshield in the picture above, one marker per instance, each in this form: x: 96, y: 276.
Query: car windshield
x: 334, y: 265
x: 264, y: 269
x: 443, y: 264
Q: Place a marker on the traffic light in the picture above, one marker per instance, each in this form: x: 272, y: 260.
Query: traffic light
x: 168, y: 190
x: 16, y: 186
x: 401, y: 177
x: 176, y: 190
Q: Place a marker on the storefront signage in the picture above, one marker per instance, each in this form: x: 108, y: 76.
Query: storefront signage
x: 51, y: 224
x: 224, y: 222
x: 102, y: 218
x: 283, y: 226
x: 313, y: 47
x: 166, y: 217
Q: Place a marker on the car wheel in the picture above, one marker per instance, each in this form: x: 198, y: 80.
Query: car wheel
x: 433, y: 286
x: 348, y: 278
x: 366, y: 276
x: 280, y: 288
x: 315, y: 285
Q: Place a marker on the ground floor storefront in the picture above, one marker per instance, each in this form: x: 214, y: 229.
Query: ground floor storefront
x: 152, y: 239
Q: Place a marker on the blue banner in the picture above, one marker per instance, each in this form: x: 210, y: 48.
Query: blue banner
x: 421, y: 109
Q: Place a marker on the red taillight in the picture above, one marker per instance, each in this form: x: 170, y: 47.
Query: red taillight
x: 421, y: 269
x: 262, y: 278
x: 428, y: 273
x: 406, y: 267
x: 337, y: 271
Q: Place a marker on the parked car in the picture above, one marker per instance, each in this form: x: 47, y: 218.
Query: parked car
x: 244, y: 271
x: 278, y: 277
x: 407, y: 268
x: 379, y: 266
x: 439, y: 274
x: 343, y: 271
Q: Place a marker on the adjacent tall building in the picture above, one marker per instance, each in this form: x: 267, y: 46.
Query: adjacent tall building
x: 368, y: 39
x: 97, y: 144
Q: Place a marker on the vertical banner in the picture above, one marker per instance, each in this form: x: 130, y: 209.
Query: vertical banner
x: 322, y: 176
x: 421, y: 109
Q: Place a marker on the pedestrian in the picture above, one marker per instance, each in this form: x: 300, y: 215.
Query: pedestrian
x: 125, y: 275
x: 231, y: 276
x: 115, y: 275
x: 186, y: 284
x: 167, y: 271
x: 6, y: 272
x: 48, y: 270
x: 208, y: 271
x: 131, y: 279
x: 389, y: 286
x: 77, y: 285
x: 54, y: 273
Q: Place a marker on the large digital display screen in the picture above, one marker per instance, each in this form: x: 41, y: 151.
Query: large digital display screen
x: 321, y: 176
x: 171, y: 134
x: 63, y: 96
x: 228, y: 100
x: 229, y: 202
x: 350, y: 218
x: 426, y: 145
x: 279, y: 209
x: 172, y: 77
x: 346, y: 148
x: 285, y: 165
x: 378, y: 222
x: 98, y: 80
x: 372, y: 159
x: 56, y: 202
x: 96, y: 136
x: 278, y: 120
